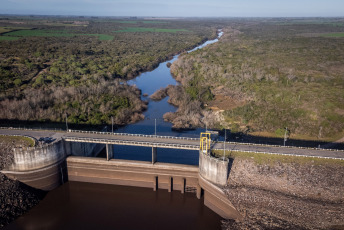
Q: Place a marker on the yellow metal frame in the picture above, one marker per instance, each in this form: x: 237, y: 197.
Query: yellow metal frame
x: 205, y: 142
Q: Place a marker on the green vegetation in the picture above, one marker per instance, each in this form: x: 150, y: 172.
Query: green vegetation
x: 274, y: 78
x: 334, y: 35
x: 5, y: 30
x: 5, y: 38
x: 50, y: 33
x: 272, y: 159
x: 56, y: 68
x: 145, y: 22
x: 156, y: 30
x: 102, y: 37
x: 39, y: 33
x: 23, y: 141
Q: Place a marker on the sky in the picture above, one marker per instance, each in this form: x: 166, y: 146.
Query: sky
x: 177, y: 8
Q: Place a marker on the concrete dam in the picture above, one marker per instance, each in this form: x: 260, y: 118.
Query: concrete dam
x: 73, y: 159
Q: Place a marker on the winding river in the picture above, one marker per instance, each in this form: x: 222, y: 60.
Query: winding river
x: 149, y: 82
x: 76, y: 205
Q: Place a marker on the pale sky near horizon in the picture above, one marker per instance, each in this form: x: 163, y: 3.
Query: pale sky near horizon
x: 177, y: 8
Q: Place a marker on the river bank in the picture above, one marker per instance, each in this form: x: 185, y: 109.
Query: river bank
x: 16, y: 198
x: 286, y: 195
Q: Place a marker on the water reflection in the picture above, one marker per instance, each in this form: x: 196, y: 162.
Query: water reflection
x: 149, y: 82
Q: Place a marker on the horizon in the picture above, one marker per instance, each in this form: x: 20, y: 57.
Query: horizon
x: 179, y: 8
x: 168, y: 17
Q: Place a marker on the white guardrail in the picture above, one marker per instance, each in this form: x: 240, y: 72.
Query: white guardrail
x: 126, y: 142
x: 171, y: 137
x: 287, y: 154
x: 135, y: 135
x: 194, y: 139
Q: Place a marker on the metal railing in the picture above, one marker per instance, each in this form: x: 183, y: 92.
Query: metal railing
x: 134, y: 135
x: 169, y: 137
x: 130, y: 142
x: 286, y: 154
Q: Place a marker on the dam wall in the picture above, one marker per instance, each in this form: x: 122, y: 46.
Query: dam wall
x: 172, y: 177
x: 213, y: 169
x: 134, y: 173
x: 49, y: 166
x: 44, y: 167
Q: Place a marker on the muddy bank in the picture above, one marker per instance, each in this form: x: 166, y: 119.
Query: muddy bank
x: 286, y: 195
x: 16, y: 198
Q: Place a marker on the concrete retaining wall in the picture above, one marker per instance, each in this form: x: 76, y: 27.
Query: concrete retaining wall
x: 45, y: 167
x: 213, y: 169
x: 217, y: 200
x: 133, y: 173
x: 26, y: 159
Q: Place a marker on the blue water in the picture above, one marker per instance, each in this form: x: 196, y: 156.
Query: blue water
x: 149, y: 82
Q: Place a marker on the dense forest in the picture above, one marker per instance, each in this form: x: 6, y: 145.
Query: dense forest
x: 262, y: 77
x: 267, y: 75
x: 58, y: 66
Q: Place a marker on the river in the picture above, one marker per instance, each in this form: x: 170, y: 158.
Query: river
x: 77, y: 205
x: 149, y: 82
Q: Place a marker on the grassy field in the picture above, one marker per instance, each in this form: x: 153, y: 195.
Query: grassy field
x: 24, y: 141
x: 334, y: 35
x: 5, y: 38
x: 49, y: 33
x: 271, y: 159
x: 39, y: 33
x: 102, y: 37
x: 145, y: 22
x: 5, y: 29
x: 159, y: 30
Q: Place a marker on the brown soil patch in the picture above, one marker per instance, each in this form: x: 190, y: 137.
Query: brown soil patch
x: 223, y: 102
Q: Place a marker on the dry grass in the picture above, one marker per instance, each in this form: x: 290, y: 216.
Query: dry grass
x: 270, y: 159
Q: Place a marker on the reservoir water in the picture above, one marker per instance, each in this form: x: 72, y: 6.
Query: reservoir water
x: 77, y: 205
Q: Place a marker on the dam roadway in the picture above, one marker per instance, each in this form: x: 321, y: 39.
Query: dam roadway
x: 169, y: 142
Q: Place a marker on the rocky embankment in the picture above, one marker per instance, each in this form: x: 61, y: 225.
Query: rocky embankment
x: 16, y: 198
x: 275, y: 195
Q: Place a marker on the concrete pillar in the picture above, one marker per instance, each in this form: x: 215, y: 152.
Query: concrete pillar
x: 183, y: 186
x: 198, y: 192
x: 67, y: 148
x: 155, y: 183
x: 154, y: 153
x: 109, y: 152
x: 170, y: 183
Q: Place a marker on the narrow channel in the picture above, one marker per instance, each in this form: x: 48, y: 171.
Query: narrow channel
x: 149, y: 82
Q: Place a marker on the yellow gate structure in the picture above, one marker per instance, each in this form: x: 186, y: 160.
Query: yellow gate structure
x: 205, y: 142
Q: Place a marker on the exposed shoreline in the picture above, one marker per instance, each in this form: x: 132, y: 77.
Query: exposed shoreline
x: 284, y: 195
x: 16, y: 198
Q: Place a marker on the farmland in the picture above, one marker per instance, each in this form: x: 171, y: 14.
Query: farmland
x: 156, y: 30
x: 49, y: 33
x: 334, y: 35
